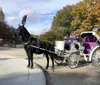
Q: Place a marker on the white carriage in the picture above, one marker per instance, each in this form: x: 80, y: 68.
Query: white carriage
x: 88, y: 48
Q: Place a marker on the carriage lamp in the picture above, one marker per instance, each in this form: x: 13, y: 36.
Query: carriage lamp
x: 99, y: 41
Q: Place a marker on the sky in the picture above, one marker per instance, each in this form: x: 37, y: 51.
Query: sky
x: 39, y: 13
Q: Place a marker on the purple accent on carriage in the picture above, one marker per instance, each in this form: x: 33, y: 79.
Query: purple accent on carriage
x: 89, y: 42
x: 65, y: 37
x: 67, y: 45
x: 69, y: 38
x: 88, y: 46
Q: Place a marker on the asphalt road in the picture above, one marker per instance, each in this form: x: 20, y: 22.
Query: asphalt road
x: 85, y: 74
x: 80, y: 76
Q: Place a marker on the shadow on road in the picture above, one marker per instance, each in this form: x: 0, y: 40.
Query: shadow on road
x: 10, y: 48
x: 4, y: 59
x: 82, y: 63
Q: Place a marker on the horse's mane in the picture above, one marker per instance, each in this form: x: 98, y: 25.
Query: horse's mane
x: 27, y: 37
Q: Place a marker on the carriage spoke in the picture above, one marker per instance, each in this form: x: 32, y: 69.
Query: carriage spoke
x: 73, y: 60
x: 96, y: 57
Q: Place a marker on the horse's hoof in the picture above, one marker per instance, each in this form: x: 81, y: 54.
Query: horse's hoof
x: 52, y: 69
x: 31, y: 67
x: 46, y: 67
x: 28, y: 66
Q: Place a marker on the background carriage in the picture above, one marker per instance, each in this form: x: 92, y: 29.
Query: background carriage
x: 1, y: 42
x: 72, y: 50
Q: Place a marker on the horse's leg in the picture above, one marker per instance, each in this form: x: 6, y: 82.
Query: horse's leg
x: 47, y: 61
x: 31, y: 59
x: 52, y: 59
x: 27, y: 52
x: 28, y: 62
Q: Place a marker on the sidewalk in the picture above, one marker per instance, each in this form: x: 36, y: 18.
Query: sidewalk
x: 13, y: 71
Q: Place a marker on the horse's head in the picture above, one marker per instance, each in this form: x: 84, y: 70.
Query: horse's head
x: 20, y: 30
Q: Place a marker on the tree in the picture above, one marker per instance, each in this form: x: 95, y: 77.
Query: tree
x: 6, y: 32
x: 84, y: 16
x: 87, y: 12
x: 63, y: 18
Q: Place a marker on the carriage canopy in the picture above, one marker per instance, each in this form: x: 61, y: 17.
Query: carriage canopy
x: 92, y: 36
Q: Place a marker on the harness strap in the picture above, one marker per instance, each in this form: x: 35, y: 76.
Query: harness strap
x: 38, y: 43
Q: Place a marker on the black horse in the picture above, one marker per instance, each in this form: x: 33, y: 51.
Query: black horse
x: 34, y: 45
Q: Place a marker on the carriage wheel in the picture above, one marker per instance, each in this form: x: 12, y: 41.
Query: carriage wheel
x: 96, y: 57
x: 59, y: 61
x: 73, y: 60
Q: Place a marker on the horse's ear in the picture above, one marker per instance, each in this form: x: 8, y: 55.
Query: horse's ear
x: 23, y: 25
x: 19, y: 25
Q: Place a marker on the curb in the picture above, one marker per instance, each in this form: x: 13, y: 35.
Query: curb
x: 46, y: 74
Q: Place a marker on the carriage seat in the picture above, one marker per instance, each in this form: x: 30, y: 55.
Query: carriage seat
x: 88, y: 46
x: 89, y: 43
